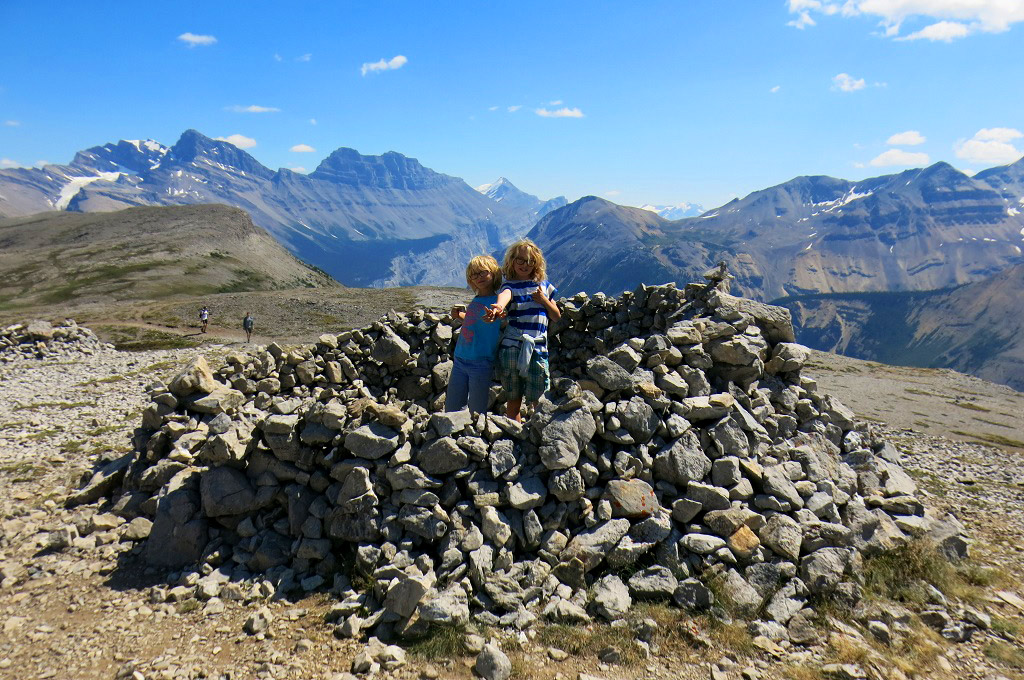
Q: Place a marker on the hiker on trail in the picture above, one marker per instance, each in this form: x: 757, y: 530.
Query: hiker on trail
x: 247, y: 323
x: 204, y: 318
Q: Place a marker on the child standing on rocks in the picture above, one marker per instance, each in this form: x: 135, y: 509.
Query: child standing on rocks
x: 523, y: 355
x: 473, y: 365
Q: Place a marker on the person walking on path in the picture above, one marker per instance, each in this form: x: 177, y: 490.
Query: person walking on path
x: 247, y: 324
x: 204, y: 319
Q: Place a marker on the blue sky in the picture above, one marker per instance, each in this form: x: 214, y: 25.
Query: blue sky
x: 647, y: 102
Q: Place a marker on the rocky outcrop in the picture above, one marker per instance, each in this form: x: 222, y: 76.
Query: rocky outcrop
x: 679, y: 443
x: 39, y: 340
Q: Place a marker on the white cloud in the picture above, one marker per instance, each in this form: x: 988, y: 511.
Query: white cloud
x: 944, y: 31
x: 564, y: 112
x: 277, y: 57
x: 385, y: 65
x: 775, y: 89
x: 193, y: 40
x: 253, y: 108
x: 8, y: 163
x: 12, y: 123
x: 303, y: 148
x: 514, y: 108
x: 900, y: 157
x: 241, y: 141
x: 298, y: 168
x: 305, y: 57
x: 613, y: 193
x: 990, y: 146
x: 802, y: 21
x: 493, y: 108
x: 908, y: 138
x: 947, y: 20
x: 312, y: 121
x: 847, y: 83
x: 557, y: 102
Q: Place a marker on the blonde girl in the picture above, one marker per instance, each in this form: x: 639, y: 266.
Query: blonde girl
x: 526, y: 298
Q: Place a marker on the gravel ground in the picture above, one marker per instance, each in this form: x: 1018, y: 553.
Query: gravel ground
x: 86, y: 611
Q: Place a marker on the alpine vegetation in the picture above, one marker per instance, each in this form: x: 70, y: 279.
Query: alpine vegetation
x: 679, y: 456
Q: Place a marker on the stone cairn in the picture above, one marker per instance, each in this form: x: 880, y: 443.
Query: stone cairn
x: 679, y: 456
x: 40, y: 340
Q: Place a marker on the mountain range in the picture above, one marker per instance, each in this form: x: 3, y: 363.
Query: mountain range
x: 921, y: 229
x: 366, y: 220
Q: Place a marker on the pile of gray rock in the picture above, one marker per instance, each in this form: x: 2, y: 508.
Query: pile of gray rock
x: 679, y: 456
x: 40, y: 340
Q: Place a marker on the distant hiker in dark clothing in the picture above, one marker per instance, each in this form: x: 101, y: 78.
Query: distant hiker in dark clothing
x: 204, y: 318
x: 247, y: 323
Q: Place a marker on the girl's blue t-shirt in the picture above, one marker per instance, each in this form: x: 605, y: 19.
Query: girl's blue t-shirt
x: 478, y: 340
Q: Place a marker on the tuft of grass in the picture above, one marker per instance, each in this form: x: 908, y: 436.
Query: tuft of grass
x: 1004, y: 626
x: 587, y: 641
x: 1005, y: 653
x: 62, y: 405
x: 970, y: 406
x: 103, y: 429
x: 43, y: 434
x: 73, y: 446
x: 896, y: 574
x: 439, y: 642
x: 997, y: 439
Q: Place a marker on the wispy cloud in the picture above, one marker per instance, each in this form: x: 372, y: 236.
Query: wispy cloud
x: 8, y: 163
x: 944, y: 20
x: 564, y: 112
x: 514, y: 108
x: 908, y: 138
x: 384, y: 65
x: 278, y: 57
x: 775, y: 89
x: 194, y: 40
x: 557, y: 102
x: 253, y: 108
x: 613, y: 193
x: 12, y: 123
x: 944, y: 31
x: 303, y: 148
x: 990, y: 146
x: 312, y: 121
x: 241, y: 141
x: 899, y: 157
x: 298, y: 168
x: 305, y: 57
x: 847, y: 83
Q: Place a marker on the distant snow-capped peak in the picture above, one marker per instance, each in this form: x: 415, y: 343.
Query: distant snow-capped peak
x: 675, y: 212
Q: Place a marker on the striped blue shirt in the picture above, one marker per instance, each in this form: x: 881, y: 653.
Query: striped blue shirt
x: 526, y: 316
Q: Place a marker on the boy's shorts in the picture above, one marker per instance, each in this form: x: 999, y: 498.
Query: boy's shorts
x: 529, y: 387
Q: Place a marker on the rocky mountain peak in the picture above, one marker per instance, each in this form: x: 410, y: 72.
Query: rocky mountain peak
x: 193, y: 147
x: 136, y: 156
x: 390, y: 170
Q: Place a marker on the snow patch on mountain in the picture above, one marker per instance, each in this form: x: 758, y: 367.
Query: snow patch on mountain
x: 68, y: 191
x: 675, y: 212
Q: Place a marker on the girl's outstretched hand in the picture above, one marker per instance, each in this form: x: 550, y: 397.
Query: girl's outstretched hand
x: 539, y: 297
x: 493, y: 313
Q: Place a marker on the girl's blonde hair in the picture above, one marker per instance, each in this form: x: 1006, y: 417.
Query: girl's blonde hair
x: 528, y: 250
x: 484, y: 263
